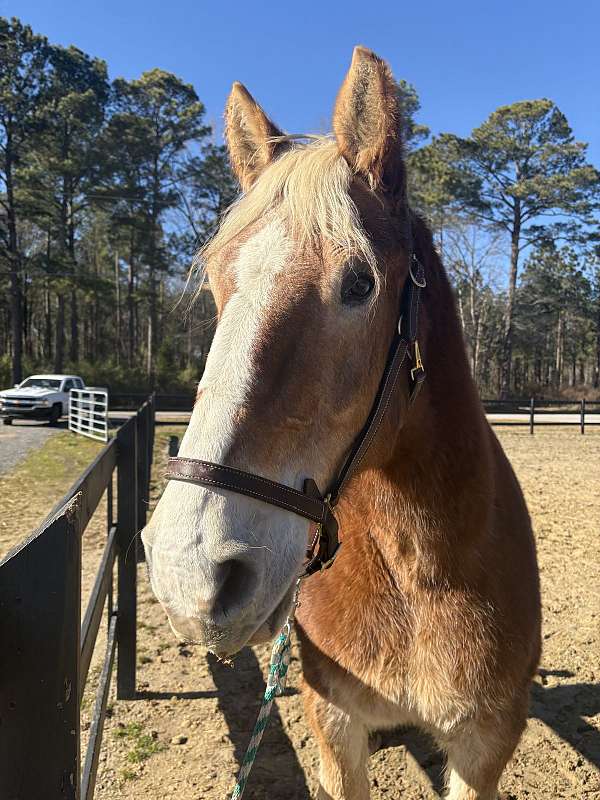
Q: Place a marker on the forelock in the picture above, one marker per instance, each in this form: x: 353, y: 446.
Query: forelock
x: 308, y: 187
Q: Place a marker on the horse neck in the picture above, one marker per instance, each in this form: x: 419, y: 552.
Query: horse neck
x: 434, y: 495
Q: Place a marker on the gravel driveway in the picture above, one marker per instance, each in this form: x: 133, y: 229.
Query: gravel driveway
x: 18, y: 439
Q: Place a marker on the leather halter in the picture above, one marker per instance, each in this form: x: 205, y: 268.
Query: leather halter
x: 310, y: 503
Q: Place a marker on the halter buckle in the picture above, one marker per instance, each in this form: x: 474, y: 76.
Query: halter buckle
x: 418, y: 363
x: 326, y: 564
x: 325, y: 544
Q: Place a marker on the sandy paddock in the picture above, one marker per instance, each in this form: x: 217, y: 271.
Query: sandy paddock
x: 185, y: 735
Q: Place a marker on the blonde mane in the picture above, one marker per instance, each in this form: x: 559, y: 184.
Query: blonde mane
x: 308, y: 185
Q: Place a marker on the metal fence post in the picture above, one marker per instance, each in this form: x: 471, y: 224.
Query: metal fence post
x: 127, y: 528
x: 582, y: 419
x: 531, y: 414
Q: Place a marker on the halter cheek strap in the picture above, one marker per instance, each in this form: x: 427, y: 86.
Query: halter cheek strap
x: 310, y: 503
x: 405, y: 339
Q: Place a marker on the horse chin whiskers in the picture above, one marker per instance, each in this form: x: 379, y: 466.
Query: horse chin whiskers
x: 225, y: 660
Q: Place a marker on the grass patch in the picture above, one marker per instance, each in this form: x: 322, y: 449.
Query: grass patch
x: 141, y: 745
x: 29, y: 491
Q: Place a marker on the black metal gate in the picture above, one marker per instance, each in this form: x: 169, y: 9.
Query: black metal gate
x: 45, y: 650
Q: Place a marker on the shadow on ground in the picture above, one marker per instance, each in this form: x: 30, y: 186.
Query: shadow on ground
x: 563, y: 708
x: 62, y: 424
x: 276, y: 774
x: 428, y: 759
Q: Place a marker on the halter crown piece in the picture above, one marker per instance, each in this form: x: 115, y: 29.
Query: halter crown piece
x: 310, y: 503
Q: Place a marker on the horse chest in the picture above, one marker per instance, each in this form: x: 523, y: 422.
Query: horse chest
x: 386, y: 656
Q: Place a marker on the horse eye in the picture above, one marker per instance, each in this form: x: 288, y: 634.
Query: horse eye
x: 357, y: 287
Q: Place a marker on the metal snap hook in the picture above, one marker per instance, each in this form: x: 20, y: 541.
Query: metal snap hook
x: 422, y: 284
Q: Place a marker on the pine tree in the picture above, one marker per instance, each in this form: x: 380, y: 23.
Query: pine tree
x: 23, y: 64
x: 532, y: 181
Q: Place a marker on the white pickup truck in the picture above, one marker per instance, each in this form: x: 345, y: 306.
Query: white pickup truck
x: 39, y: 397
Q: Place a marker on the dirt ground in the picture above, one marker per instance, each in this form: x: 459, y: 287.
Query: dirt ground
x: 187, y: 732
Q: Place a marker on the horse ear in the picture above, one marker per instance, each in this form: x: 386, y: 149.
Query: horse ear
x: 366, y: 122
x: 249, y: 133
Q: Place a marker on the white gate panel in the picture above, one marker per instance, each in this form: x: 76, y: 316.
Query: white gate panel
x: 88, y: 412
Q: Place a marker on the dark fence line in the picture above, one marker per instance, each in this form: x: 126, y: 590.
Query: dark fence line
x: 47, y: 650
x: 539, y: 407
x: 532, y: 407
x: 123, y: 401
x: 542, y: 405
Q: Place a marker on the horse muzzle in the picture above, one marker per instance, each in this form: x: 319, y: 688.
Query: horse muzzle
x: 222, y: 605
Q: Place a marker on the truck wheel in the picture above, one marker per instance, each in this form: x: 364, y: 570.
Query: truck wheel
x: 55, y: 414
x: 7, y: 421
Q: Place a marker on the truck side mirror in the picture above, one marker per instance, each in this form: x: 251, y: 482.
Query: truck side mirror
x: 16, y: 386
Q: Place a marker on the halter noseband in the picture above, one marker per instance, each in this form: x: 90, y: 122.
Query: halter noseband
x: 310, y: 503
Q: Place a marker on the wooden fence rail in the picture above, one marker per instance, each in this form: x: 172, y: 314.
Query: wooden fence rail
x: 46, y: 649
x: 528, y: 412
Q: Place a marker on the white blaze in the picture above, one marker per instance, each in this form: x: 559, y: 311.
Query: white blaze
x: 228, y: 375
x: 194, y: 528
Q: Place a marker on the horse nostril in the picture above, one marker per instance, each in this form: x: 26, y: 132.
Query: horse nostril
x: 236, y: 582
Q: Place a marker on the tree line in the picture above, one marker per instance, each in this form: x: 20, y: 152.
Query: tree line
x: 514, y: 209
x: 107, y: 187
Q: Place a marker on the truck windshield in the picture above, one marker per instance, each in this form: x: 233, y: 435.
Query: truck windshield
x: 40, y: 383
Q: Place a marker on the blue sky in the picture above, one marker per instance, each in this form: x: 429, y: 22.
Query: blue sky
x: 465, y: 58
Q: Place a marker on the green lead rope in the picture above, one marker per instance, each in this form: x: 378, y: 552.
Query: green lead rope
x: 278, y: 669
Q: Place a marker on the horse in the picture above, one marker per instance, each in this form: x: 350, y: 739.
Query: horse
x: 430, y: 614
